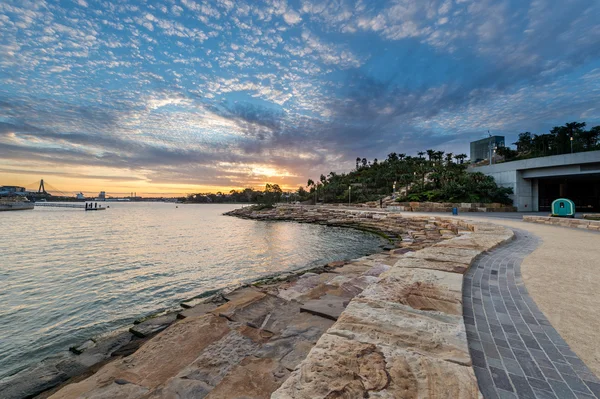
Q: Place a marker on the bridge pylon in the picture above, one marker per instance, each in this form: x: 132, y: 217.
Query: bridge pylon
x: 42, y: 189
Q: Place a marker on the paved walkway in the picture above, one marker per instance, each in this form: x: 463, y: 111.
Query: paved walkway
x: 516, y: 352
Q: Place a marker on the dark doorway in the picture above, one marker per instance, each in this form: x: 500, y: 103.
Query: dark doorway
x: 583, y: 190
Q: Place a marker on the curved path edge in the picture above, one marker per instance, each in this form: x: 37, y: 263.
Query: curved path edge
x: 515, y: 350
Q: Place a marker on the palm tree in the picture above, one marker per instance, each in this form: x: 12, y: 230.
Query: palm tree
x: 430, y: 154
x: 420, y: 154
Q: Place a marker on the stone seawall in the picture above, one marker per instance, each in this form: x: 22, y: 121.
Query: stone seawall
x: 430, y: 206
x: 404, y: 335
x: 564, y: 222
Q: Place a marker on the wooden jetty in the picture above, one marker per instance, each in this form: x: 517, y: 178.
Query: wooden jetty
x: 74, y: 206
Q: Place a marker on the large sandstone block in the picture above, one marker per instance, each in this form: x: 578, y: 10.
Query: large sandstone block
x: 339, y: 367
x: 432, y: 333
x: 237, y: 300
x: 420, y: 289
x: 253, y: 378
x: 214, y: 363
x: 446, y: 254
x: 409, y: 263
x: 155, y: 362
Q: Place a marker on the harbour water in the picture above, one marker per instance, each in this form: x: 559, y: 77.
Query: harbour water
x: 67, y: 275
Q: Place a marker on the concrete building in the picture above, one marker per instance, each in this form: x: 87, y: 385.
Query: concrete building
x: 537, y: 182
x: 481, y: 149
x: 12, y: 190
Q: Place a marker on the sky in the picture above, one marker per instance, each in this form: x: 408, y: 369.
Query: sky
x: 178, y: 96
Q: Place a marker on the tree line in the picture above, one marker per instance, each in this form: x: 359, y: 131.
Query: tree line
x: 270, y: 195
x: 571, y: 137
x: 430, y: 176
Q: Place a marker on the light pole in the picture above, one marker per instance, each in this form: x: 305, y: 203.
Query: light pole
x: 394, y: 191
x: 571, y: 144
x: 349, y: 194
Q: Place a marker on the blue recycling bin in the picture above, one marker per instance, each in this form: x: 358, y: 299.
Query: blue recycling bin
x: 563, y: 207
x: 455, y: 211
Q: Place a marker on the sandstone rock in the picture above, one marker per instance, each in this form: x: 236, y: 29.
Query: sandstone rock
x: 292, y: 344
x: 337, y: 368
x: 237, y: 300
x: 197, y: 310
x: 342, y: 368
x: 431, y: 333
x: 79, y: 349
x: 207, y: 371
x: 270, y: 313
x: 304, y: 284
x: 418, y: 263
x: 328, y: 306
x: 353, y: 268
x: 446, y: 254
x: 376, y: 270
x: 153, y: 325
x: 420, y: 289
x: 253, y: 379
x: 155, y: 362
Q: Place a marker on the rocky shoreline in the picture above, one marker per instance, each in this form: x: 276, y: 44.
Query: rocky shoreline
x: 382, y: 324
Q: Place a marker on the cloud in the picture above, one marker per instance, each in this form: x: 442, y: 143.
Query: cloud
x: 215, y: 93
x: 292, y: 17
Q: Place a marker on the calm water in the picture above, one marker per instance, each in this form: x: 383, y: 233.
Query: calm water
x: 67, y: 275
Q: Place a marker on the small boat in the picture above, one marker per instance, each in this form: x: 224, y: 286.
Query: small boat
x: 15, y: 204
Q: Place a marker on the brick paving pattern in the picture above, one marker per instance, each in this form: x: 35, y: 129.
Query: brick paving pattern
x: 515, y: 350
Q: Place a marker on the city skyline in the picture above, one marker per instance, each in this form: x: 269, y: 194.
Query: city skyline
x: 175, y: 97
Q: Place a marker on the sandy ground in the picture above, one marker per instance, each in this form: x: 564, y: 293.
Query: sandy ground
x: 563, y: 278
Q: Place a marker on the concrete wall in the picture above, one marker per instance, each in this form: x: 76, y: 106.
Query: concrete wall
x: 522, y: 176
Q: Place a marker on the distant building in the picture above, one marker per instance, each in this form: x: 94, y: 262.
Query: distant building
x: 80, y: 196
x: 102, y: 196
x: 12, y: 190
x: 480, y: 149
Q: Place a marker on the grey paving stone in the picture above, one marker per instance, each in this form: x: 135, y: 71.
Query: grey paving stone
x: 513, y: 367
x: 564, y: 368
x: 576, y: 384
x: 551, y: 373
x: 524, y: 390
x: 594, y: 387
x: 507, y: 353
x: 561, y: 389
x: 539, y: 384
x: 501, y: 379
x: 486, y: 384
x: 530, y: 342
x: 516, y: 352
x: 506, y: 395
x: 544, y: 394
x: 576, y: 363
x: 541, y: 358
x: 478, y: 358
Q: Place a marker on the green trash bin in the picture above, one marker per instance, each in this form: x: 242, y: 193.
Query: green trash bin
x: 563, y: 207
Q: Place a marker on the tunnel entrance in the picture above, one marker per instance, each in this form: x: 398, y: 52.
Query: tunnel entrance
x: 583, y: 190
